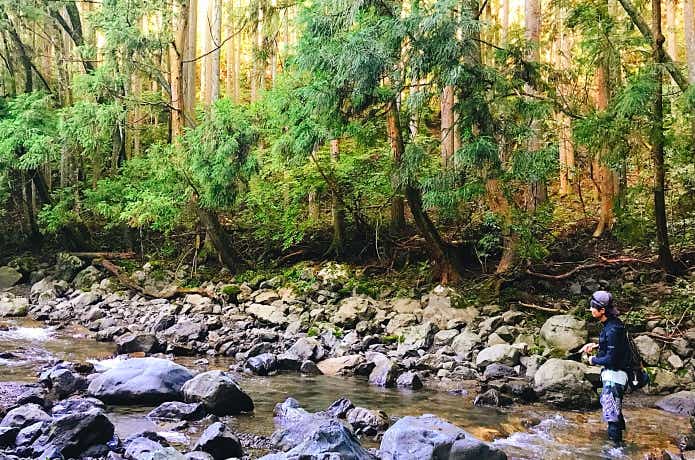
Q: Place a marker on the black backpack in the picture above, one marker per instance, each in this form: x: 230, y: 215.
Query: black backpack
x: 637, y: 375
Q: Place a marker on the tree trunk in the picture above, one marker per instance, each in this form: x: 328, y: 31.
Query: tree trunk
x: 689, y: 27
x: 338, y: 213
x: 219, y: 237
x: 176, y: 50
x: 564, y: 56
x: 657, y: 149
x: 604, y: 179
x: 231, y: 76
x: 205, y: 49
x: 447, y: 125
x: 189, y: 83
x: 214, y: 77
x: 499, y: 204
x: 394, y: 134
x: 504, y: 21
x: 671, y: 30
x: 313, y: 206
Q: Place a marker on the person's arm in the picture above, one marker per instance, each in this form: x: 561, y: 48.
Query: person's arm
x: 610, y: 357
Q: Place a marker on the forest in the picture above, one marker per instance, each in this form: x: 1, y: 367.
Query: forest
x: 457, y: 136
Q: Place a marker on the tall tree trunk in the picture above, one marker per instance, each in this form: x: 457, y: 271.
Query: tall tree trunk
x: 447, y: 125
x: 564, y: 57
x: 504, y: 21
x: 176, y: 54
x: 206, y: 24
x: 671, y: 30
x: 313, y: 206
x: 604, y: 177
x: 214, y: 77
x: 338, y: 213
x: 231, y: 75
x: 537, y: 192
x: 219, y: 237
x: 397, y: 204
x: 689, y: 27
x: 189, y: 82
x: 658, y: 141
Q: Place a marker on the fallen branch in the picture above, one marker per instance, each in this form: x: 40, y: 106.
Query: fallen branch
x: 104, y: 255
x: 538, y: 307
x: 604, y: 263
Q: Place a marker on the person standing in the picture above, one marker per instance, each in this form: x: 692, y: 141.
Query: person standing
x: 614, y: 356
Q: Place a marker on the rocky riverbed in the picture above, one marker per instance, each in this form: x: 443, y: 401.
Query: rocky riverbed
x: 485, y: 355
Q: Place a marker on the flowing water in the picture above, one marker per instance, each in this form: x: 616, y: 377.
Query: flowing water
x: 522, y: 431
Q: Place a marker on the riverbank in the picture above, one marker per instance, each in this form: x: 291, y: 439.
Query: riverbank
x: 493, y: 356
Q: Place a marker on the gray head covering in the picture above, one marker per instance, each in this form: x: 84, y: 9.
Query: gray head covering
x: 604, y: 299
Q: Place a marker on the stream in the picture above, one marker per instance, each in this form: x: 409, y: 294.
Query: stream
x: 522, y: 431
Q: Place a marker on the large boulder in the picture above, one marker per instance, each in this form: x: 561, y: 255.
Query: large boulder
x: 352, y: 310
x: 139, y: 342
x: 561, y: 383
x: 307, y: 348
x: 385, y: 371
x: 68, y: 266
x: 140, y: 381
x: 501, y: 353
x: 46, y: 290
x: 24, y: 416
x: 263, y: 364
x: 219, y: 441
x: 218, y: 392
x: 464, y: 343
x: 340, y: 365
x: 9, y: 277
x: 72, y: 434
x: 564, y: 332
x: 85, y: 279
x: 271, y: 314
x: 329, y: 439
x: 13, y: 306
x: 415, y: 337
x: 681, y: 403
x: 649, y: 349
x: 294, y: 423
x: 440, y: 312
x: 367, y: 421
x: 430, y: 438
x: 145, y: 448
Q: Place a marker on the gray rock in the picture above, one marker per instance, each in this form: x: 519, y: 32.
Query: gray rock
x: 409, y: 380
x: 46, y: 290
x: 29, y: 434
x: 218, y: 392
x: 269, y: 314
x: 564, y: 332
x: 430, y: 438
x: 354, y: 309
x: 681, y: 403
x: 86, y: 278
x: 491, y: 397
x: 9, y: 277
x: 416, y: 337
x: 219, y: 441
x: 562, y: 384
x: 294, y: 424
x: 339, y: 408
x: 400, y: 321
x: 62, y: 382
x: 307, y: 348
x: 137, y: 342
x: 649, y: 349
x: 502, y: 353
x: 309, y: 368
x: 497, y: 371
x: 24, y: 416
x: 13, y: 306
x: 439, y: 311
x: 445, y: 337
x: 76, y: 406
x: 185, y: 331
x: 198, y: 455
x: 72, y: 434
x: 140, y: 381
x: 175, y: 410
x: 385, y: 372
x: 367, y: 421
x: 68, y: 266
x: 263, y: 364
x: 464, y: 343
x: 8, y: 435
x: 341, y: 365
x: 144, y: 448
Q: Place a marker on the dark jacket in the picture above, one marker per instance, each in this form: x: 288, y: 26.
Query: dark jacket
x: 612, y: 346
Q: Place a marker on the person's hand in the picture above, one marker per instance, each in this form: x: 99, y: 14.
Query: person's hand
x: 589, y: 348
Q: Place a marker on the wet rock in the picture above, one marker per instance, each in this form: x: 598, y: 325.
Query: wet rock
x: 70, y: 435
x: 502, y: 354
x: 140, y: 381
x: 175, y: 410
x: 62, y: 382
x: 341, y: 365
x: 32, y: 396
x: 681, y: 403
x: 13, y: 306
x: 663, y: 381
x: 367, y: 421
x: 309, y: 368
x: 430, y: 438
x: 263, y: 364
x: 339, y: 408
x: 219, y: 441
x: 497, y: 371
x: 86, y: 278
x: 218, y: 392
x: 385, y: 371
x: 562, y: 384
x: 445, y: 337
x: 23, y: 416
x: 141, y: 342
x: 46, y: 290
x: 329, y: 439
x: 76, y: 406
x: 294, y: 424
x: 288, y: 362
x: 307, y: 348
x: 9, y: 277
x: 409, y: 380
x: 649, y: 349
x: 146, y: 448
x: 163, y: 323
x: 564, y: 332
x: 185, y: 331
x: 491, y: 397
